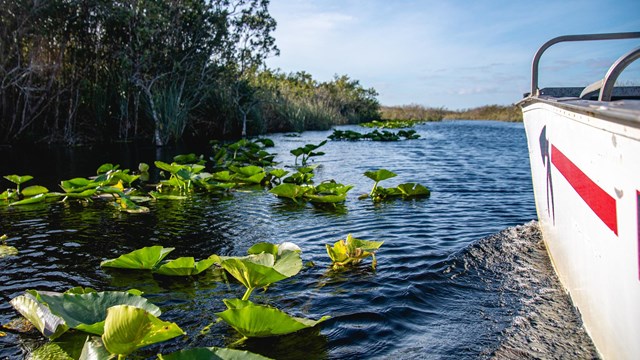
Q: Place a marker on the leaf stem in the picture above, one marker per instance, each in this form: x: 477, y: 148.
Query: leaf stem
x: 247, y: 294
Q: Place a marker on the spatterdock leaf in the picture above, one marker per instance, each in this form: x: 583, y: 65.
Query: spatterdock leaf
x: 17, y: 179
x: 146, y: 258
x: 94, y: 349
x: 413, y: 190
x: 49, y: 324
x: 253, y: 320
x: 32, y: 200
x: 128, y: 328
x: 87, y: 311
x: 262, y: 269
x: 212, y: 353
x: 184, y: 266
x: 290, y: 191
x: 380, y: 175
x: 34, y: 190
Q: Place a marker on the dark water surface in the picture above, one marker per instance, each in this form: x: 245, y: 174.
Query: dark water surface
x: 462, y: 274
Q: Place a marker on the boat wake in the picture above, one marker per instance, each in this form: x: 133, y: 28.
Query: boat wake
x: 544, y: 324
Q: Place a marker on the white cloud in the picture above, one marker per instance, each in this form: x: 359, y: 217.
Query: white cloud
x: 434, y: 52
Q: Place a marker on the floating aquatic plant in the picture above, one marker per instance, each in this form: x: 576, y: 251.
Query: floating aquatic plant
x: 406, y: 190
x: 261, y: 269
x: 6, y: 250
x: 248, y: 174
x: 306, y: 152
x: 352, y: 251
x: 253, y: 320
x: 184, y: 266
x: 146, y: 258
x: 290, y: 191
x: 18, y: 180
x: 328, y: 192
x: 212, y: 353
x: 54, y: 313
x: 391, y: 124
x: 242, y: 153
x: 129, y: 328
x: 303, y: 175
x: 375, y: 135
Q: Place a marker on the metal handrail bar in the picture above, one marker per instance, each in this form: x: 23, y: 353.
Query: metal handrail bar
x: 614, y: 71
x: 585, y: 37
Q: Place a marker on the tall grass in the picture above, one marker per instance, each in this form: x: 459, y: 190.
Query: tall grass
x: 415, y: 112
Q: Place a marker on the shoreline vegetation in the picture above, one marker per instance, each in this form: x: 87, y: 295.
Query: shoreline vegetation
x: 414, y: 112
x: 167, y: 72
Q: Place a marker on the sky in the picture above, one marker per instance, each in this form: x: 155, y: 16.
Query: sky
x: 455, y: 54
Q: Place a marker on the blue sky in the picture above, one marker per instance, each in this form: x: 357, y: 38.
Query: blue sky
x: 456, y: 54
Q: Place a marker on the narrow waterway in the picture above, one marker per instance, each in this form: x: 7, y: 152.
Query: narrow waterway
x: 462, y: 274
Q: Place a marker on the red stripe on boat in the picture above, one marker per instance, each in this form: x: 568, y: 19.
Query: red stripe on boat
x: 602, y: 204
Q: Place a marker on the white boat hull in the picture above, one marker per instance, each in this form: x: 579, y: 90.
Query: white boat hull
x: 586, y: 176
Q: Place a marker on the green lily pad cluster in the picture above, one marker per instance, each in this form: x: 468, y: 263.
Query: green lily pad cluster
x: 266, y: 264
x: 391, y: 124
x: 109, y: 183
x: 115, y: 322
x: 151, y: 259
x: 404, y: 191
x: 375, y: 135
x: 328, y: 192
x: 242, y: 153
x: 352, y: 251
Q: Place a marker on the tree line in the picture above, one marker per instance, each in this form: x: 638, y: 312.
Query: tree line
x: 78, y: 71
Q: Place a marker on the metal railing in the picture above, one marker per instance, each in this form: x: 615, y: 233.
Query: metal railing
x: 535, y: 91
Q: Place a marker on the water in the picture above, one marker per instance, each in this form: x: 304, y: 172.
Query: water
x: 461, y: 275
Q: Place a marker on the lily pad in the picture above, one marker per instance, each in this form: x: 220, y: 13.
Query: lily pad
x: 184, y: 266
x: 212, y: 353
x: 252, y: 320
x: 53, y: 313
x: 290, y: 191
x: 380, y: 175
x: 129, y: 328
x: 17, y: 179
x: 146, y: 258
x: 49, y: 324
x: 413, y: 190
x: 32, y: 200
x: 34, y: 190
x: 259, y: 270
